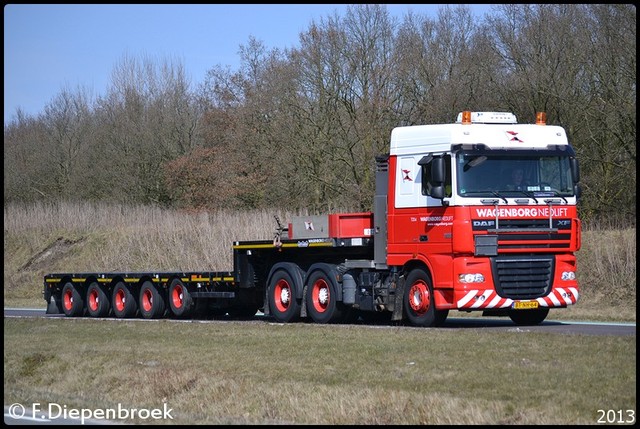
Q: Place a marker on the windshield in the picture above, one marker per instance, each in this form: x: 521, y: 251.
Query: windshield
x: 485, y: 173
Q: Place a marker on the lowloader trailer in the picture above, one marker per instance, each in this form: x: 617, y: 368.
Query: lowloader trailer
x: 449, y: 230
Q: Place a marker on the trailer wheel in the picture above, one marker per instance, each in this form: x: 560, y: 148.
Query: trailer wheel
x: 180, y: 299
x: 528, y: 317
x: 72, y: 301
x: 322, y: 305
x: 123, y: 301
x: 283, y: 305
x: 151, y: 301
x: 418, y: 300
x: 97, y: 301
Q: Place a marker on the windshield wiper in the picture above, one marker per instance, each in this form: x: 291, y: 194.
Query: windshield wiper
x: 556, y: 194
x: 495, y: 194
x: 528, y: 194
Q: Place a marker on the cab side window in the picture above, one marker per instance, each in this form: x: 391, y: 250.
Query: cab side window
x: 426, y: 175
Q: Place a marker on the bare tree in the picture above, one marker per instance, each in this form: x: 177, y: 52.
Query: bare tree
x: 299, y: 128
x: 27, y: 169
x: 67, y: 121
x: 577, y: 62
x: 148, y: 117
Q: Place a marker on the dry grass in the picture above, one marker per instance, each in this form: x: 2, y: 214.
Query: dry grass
x: 267, y: 373
x: 44, y: 238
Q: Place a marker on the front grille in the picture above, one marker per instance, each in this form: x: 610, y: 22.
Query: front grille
x: 523, y: 277
x: 522, y: 234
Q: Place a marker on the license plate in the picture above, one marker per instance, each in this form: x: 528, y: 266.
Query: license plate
x: 525, y: 305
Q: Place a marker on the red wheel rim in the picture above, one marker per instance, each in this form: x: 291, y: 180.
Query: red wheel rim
x: 119, y: 300
x: 94, y: 300
x: 177, y: 296
x: 282, y: 295
x: 320, y: 295
x: 68, y: 299
x: 419, y: 297
x: 147, y: 300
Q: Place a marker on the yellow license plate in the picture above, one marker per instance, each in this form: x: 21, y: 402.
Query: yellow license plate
x: 525, y: 305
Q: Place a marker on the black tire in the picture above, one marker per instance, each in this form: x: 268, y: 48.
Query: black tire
x: 123, y: 301
x: 97, y: 301
x: 151, y: 301
x: 419, y: 305
x: 72, y: 300
x: 283, y: 304
x: 528, y: 317
x: 180, y: 299
x: 321, y: 298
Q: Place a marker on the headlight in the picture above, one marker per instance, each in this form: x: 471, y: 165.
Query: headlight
x: 471, y: 278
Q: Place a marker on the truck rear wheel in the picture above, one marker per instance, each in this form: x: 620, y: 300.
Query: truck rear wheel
x: 283, y: 305
x: 418, y: 299
x: 123, y: 302
x: 97, y: 301
x: 151, y: 301
x: 72, y: 300
x: 321, y: 299
x: 180, y: 299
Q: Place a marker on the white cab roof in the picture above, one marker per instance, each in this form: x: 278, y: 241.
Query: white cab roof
x: 439, y: 138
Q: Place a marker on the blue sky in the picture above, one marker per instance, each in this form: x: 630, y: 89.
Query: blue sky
x: 49, y: 47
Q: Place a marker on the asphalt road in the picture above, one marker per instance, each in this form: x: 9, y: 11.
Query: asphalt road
x: 484, y: 323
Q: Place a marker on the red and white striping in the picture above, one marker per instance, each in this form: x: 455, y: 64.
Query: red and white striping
x: 477, y: 300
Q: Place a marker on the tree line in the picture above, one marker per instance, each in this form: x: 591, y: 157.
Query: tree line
x: 299, y: 128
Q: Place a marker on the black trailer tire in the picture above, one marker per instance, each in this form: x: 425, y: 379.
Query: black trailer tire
x: 528, y: 317
x: 283, y: 305
x: 72, y: 300
x: 321, y: 297
x: 180, y: 299
x: 419, y: 305
x: 97, y: 301
x: 151, y: 301
x: 123, y: 301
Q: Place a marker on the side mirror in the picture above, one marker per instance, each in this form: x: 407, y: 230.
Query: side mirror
x: 575, y: 170
x: 437, y: 171
x: 437, y: 192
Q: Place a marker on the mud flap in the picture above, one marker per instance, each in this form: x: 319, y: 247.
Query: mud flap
x: 54, y: 306
x: 397, y: 302
x: 303, y: 308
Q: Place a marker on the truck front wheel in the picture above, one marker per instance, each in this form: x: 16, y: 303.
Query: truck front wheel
x: 151, y: 301
x: 283, y: 305
x: 419, y: 306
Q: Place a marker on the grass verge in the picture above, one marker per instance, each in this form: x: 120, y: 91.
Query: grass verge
x: 267, y: 373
